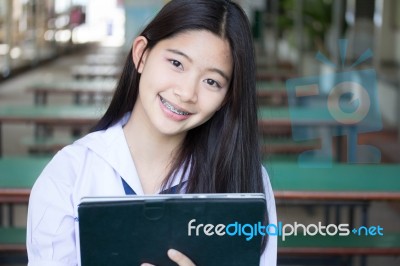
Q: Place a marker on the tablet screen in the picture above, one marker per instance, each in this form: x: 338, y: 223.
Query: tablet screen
x: 211, y: 229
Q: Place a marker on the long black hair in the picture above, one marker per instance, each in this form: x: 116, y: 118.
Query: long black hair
x: 221, y: 155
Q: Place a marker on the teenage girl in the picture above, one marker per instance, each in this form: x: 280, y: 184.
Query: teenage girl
x: 183, y: 119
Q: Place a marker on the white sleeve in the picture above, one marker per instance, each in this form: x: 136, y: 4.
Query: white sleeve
x: 51, y: 223
x: 269, y: 256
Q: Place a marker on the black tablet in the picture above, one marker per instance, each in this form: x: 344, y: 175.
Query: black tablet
x: 211, y: 229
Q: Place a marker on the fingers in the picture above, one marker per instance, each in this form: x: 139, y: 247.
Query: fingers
x: 179, y: 258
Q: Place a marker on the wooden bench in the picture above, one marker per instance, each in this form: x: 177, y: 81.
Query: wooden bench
x: 12, y: 246
x: 390, y: 150
x: 301, y: 119
x: 286, y: 146
x: 95, y: 71
x: 104, y: 59
x: 275, y: 93
x: 47, y: 145
x: 17, y: 176
x: 268, y: 74
x: 339, y: 250
x: 270, y: 158
x: 76, y: 117
x: 271, y: 93
x: 388, y: 244
x: 290, y: 182
x: 337, y: 182
x: 76, y: 88
x: 12, y: 239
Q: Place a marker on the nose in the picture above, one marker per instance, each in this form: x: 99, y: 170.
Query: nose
x: 186, y: 91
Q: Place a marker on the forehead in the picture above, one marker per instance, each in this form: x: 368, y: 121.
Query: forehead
x: 201, y: 46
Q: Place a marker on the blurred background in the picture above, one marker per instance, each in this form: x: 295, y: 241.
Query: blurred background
x: 328, y: 86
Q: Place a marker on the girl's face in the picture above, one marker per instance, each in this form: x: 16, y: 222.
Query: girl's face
x: 184, y: 81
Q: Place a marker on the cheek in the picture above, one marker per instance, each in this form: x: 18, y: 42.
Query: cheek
x: 213, y: 103
x: 150, y: 83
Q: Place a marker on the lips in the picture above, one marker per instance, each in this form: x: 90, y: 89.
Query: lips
x: 170, y: 107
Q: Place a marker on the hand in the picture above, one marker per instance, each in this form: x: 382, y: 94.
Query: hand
x: 177, y: 257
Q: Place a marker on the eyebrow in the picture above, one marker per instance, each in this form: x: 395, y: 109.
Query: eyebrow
x: 219, y: 72
x: 222, y: 73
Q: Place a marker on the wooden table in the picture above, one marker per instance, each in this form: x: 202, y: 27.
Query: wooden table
x: 95, y: 71
x: 342, y: 185
x: 12, y: 239
x: 290, y: 182
x: 366, y: 182
x: 104, y: 59
x: 42, y: 116
x: 53, y: 115
x: 275, y: 89
x: 349, y: 245
x: 372, y: 182
x: 336, y: 250
x: 315, y: 117
x: 76, y: 88
x: 17, y: 176
x: 268, y: 74
x: 299, y: 116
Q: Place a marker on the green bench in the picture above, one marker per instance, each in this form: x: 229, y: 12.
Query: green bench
x: 336, y: 250
x: 77, y: 117
x: 12, y: 246
x: 47, y: 145
x: 75, y: 88
x: 386, y: 245
x: 17, y: 175
x: 390, y: 149
x: 96, y: 71
x: 365, y: 182
x: 284, y: 145
x: 289, y: 181
x: 274, y: 93
x: 12, y: 239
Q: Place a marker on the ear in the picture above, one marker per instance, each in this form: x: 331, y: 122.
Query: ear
x: 139, y: 52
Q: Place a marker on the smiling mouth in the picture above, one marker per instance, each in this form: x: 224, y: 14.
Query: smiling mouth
x: 172, y: 108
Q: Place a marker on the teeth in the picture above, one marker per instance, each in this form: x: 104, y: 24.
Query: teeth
x: 171, y: 108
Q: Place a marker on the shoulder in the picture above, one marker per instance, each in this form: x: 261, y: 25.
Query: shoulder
x: 96, y: 154
x: 267, y: 183
x: 269, y: 256
x: 270, y: 198
x: 64, y: 166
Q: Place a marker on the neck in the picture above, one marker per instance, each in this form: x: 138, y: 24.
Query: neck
x: 150, y: 146
x: 151, y: 151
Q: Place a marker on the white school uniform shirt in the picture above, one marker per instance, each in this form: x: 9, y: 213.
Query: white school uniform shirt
x: 92, y: 166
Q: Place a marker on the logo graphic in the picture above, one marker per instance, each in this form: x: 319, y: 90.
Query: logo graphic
x: 337, y: 104
x: 249, y: 231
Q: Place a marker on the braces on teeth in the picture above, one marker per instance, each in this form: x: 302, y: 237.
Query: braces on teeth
x: 171, y: 108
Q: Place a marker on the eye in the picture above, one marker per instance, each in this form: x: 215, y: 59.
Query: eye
x: 213, y: 83
x: 176, y: 63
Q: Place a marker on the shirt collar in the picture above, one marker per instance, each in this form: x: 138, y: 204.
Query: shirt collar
x: 111, y: 145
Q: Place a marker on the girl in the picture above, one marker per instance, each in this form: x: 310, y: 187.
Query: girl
x: 183, y: 120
